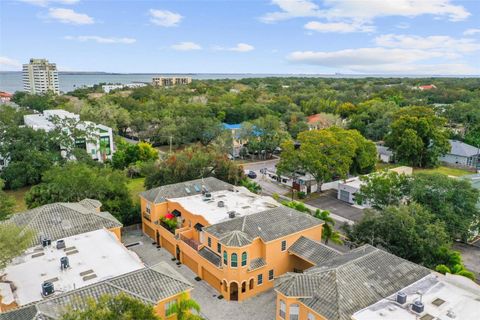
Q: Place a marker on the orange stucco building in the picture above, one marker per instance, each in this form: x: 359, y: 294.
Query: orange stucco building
x: 236, y: 241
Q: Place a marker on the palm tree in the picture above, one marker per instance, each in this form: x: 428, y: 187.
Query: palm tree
x: 183, y: 308
x: 252, y: 186
x: 329, y: 233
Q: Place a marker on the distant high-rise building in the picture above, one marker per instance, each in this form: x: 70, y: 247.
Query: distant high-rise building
x: 40, y: 76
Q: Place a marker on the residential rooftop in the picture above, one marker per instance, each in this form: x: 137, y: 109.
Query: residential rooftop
x: 93, y: 256
x: 267, y: 225
x: 460, y: 148
x: 312, y: 251
x: 185, y: 189
x: 443, y: 297
x: 65, y: 219
x: 220, y: 204
x: 350, y: 282
x: 150, y: 285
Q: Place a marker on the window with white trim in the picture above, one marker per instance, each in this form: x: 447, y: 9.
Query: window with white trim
x: 282, y: 309
x: 270, y: 275
x: 259, y: 279
x: 294, y: 310
x: 284, y: 245
x: 147, y: 208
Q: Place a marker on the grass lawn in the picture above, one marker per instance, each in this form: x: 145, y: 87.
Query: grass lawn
x: 135, y: 186
x: 19, y: 196
x: 445, y: 170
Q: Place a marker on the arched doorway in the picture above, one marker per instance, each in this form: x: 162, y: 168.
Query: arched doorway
x: 233, y: 291
x: 250, y: 287
x: 244, y: 286
x: 158, y: 239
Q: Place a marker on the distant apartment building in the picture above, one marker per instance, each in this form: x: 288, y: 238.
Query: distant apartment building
x: 237, y: 241
x: 40, y: 76
x: 109, y: 87
x: 170, y: 81
x: 100, y: 147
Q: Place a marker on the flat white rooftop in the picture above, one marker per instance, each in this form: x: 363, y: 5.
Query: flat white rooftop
x: 444, y: 297
x: 242, y: 201
x: 93, y: 256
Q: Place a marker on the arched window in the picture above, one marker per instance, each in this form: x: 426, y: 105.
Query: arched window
x: 244, y: 259
x: 233, y: 260
x: 294, y: 311
x: 225, y: 258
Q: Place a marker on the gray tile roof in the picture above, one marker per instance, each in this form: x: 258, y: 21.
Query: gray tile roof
x: 184, y: 189
x: 91, y: 204
x: 312, y: 251
x: 62, y: 219
x: 350, y: 282
x: 210, y: 256
x: 459, y: 148
x: 28, y: 312
x: 256, y: 263
x: 149, y: 285
x: 268, y: 225
x: 235, y: 238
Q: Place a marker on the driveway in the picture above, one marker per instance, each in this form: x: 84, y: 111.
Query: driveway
x: 328, y: 201
x: 261, y: 306
x: 470, y: 256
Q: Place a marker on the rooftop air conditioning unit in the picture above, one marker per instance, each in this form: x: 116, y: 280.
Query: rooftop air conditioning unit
x: 231, y: 214
x: 64, y: 263
x: 401, y: 298
x: 221, y: 204
x: 60, y: 244
x: 47, y: 288
x: 418, y: 306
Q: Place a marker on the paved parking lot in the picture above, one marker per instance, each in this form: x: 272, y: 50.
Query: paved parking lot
x: 260, y: 307
x: 328, y: 201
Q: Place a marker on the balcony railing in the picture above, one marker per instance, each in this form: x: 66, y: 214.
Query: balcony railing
x: 164, y: 225
x: 147, y: 217
x: 192, y: 243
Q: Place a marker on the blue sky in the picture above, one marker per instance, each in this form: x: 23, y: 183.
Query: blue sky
x: 256, y: 36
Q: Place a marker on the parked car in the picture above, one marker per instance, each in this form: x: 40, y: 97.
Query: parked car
x: 251, y: 174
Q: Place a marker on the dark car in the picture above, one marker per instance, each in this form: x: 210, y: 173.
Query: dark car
x: 251, y: 174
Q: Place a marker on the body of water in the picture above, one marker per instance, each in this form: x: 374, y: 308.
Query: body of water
x: 68, y: 81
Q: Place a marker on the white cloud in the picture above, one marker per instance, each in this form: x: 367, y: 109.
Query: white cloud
x: 69, y: 16
x: 444, y: 44
x: 44, y: 3
x: 165, y: 18
x: 471, y: 32
x: 240, y: 47
x: 9, y: 64
x: 186, y: 46
x: 402, y: 54
x: 381, y: 60
x: 365, y: 10
x: 339, y: 27
x: 103, y: 40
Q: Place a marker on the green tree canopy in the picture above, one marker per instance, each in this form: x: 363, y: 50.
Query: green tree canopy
x: 185, y: 308
x: 77, y: 181
x: 418, y: 137
x: 7, y: 203
x: 408, y: 231
x: 193, y: 163
x: 13, y: 242
x: 108, y: 307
